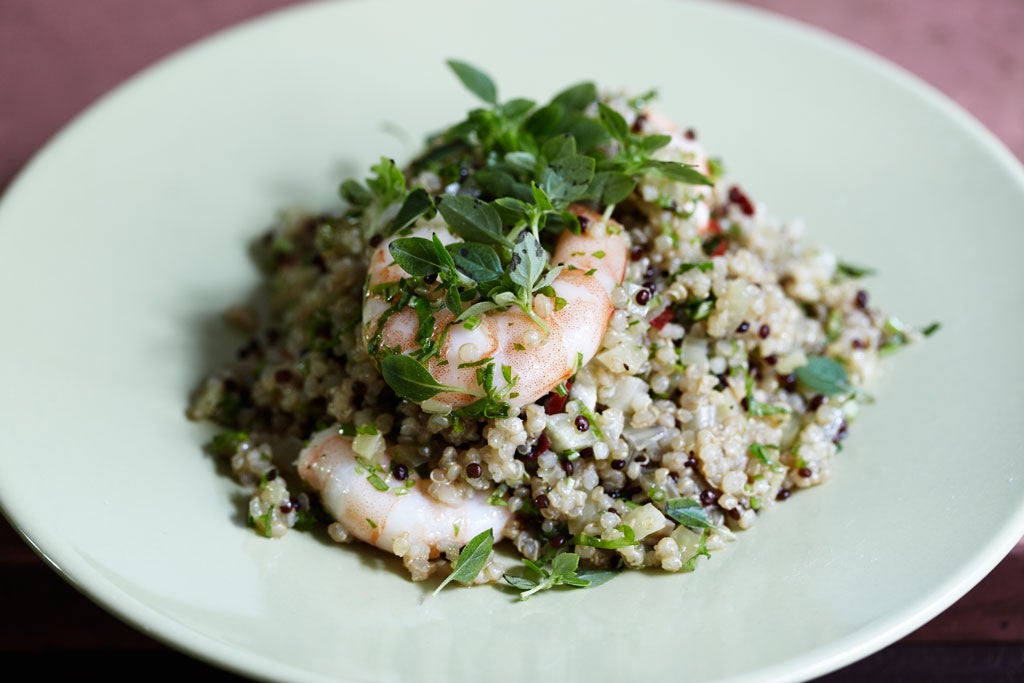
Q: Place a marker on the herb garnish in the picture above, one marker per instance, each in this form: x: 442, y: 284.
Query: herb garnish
x: 691, y: 513
x: 563, y: 572
x: 823, y: 375
x: 688, y: 512
x: 471, y: 560
x: 410, y: 380
x: 511, y: 170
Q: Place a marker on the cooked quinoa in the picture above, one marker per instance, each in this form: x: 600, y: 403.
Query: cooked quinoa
x: 728, y: 377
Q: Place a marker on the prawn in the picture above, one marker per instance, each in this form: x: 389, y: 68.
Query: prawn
x: 331, y: 467
x: 593, y: 264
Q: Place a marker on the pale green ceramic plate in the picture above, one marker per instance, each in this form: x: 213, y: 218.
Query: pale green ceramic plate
x: 127, y: 235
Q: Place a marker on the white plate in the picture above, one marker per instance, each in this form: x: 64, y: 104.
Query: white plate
x: 126, y: 236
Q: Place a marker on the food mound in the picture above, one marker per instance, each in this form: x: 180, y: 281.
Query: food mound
x: 556, y: 327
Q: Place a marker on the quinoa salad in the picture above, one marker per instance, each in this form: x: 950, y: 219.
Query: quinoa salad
x: 558, y: 330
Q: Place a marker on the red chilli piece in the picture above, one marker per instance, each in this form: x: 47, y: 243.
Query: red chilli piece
x: 663, y: 318
x: 739, y: 197
x: 555, y: 403
x: 714, y: 230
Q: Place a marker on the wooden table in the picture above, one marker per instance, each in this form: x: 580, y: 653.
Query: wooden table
x: 58, y: 56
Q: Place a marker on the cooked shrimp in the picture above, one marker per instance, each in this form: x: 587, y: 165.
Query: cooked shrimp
x: 329, y: 465
x: 594, y: 264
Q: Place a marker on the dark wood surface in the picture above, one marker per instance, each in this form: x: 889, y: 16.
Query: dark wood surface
x: 57, y: 56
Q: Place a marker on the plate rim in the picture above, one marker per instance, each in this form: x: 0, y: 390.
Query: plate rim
x: 815, y: 662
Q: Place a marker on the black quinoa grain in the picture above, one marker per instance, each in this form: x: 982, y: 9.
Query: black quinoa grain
x: 783, y: 494
x: 582, y: 423
x: 742, y: 327
x: 542, y: 501
x: 286, y: 507
x: 271, y: 474
x: 567, y: 467
x: 400, y: 472
x: 842, y: 432
x: 618, y: 464
x: 858, y: 344
x: 691, y: 462
x: 764, y: 331
x: 584, y: 221
x: 816, y: 402
x: 643, y: 296
x: 735, y: 513
x: 861, y: 300
x: 640, y: 459
x: 708, y: 497
x: 376, y: 239
x: 636, y: 252
x: 556, y: 541
x: 788, y: 382
x: 690, y: 134
x: 474, y: 470
x: 771, y: 359
x: 805, y: 472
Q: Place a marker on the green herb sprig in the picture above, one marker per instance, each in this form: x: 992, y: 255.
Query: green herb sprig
x: 471, y: 560
x: 564, y: 572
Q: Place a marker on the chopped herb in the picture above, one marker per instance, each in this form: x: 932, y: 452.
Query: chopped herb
x: 628, y: 539
x: 852, y: 271
x: 760, y: 451
x: 376, y: 482
x: 703, y: 267
x: 267, y: 522
x: 373, y: 525
x: 497, y: 496
x: 226, y: 443
x: 931, y: 329
x: 758, y: 409
x: 834, y: 325
x: 702, y: 551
